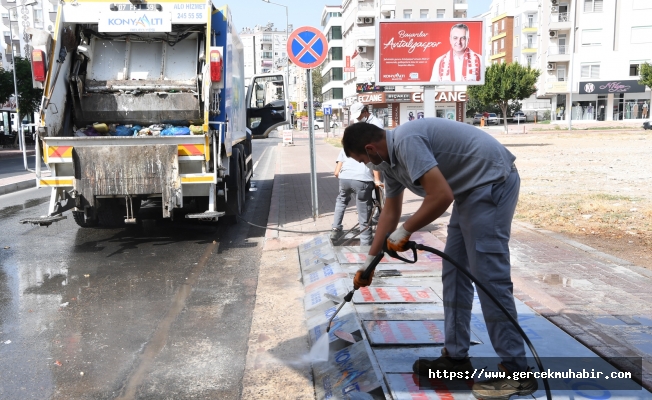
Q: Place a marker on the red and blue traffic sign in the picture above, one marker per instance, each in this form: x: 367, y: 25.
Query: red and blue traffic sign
x: 307, y: 47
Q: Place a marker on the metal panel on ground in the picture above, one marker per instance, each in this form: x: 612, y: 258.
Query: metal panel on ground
x: 322, y: 276
x: 347, y: 370
x: 317, y: 297
x: 406, y: 333
x: 406, y: 387
x: 346, y: 321
x: 395, y: 294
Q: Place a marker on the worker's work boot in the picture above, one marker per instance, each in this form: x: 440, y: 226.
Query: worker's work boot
x: 503, y: 388
x: 428, y: 368
x: 336, y: 234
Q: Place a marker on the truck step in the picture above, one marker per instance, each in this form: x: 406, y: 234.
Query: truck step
x: 206, y: 215
x: 43, y: 221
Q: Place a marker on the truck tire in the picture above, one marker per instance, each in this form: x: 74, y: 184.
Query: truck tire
x: 235, y: 195
x: 79, y: 218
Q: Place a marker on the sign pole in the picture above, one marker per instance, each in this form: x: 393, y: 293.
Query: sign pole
x: 311, y: 135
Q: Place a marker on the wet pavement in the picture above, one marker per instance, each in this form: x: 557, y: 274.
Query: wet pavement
x: 159, y: 310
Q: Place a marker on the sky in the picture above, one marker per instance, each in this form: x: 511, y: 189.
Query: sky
x: 248, y: 13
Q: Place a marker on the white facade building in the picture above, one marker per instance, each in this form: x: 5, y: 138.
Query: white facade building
x: 265, y: 49
x: 333, y: 67
x: 594, y: 49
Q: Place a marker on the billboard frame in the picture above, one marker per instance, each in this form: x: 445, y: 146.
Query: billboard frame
x: 483, y: 66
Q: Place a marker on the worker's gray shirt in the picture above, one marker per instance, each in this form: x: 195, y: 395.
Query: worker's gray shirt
x: 466, y: 156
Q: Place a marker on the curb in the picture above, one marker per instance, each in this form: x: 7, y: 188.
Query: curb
x: 17, y: 186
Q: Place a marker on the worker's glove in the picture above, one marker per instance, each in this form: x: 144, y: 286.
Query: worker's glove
x: 358, y: 280
x: 398, y: 239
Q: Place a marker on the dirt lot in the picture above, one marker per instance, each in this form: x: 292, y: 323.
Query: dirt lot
x: 595, y: 187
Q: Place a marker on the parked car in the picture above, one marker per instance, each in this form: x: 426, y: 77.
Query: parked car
x: 492, y: 119
x: 519, y: 116
x: 319, y: 123
x: 476, y: 118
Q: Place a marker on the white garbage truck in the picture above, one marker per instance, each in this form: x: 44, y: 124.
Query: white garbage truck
x: 147, y: 101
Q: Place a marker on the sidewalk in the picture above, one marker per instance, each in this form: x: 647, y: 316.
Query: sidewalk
x: 18, y: 182
x: 601, y: 301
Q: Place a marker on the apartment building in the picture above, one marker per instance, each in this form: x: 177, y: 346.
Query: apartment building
x: 333, y: 67
x: 15, y: 18
x: 265, y: 49
x: 593, y: 52
x: 394, y: 104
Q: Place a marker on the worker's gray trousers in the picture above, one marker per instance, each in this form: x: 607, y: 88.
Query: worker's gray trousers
x: 478, y: 238
x: 364, y: 204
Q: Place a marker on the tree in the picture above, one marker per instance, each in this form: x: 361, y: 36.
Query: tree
x: 317, y: 84
x: 6, y: 85
x: 29, y: 98
x: 475, y: 106
x: 646, y: 75
x: 504, y: 85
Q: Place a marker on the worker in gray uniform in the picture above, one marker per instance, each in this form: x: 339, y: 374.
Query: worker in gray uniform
x: 447, y: 162
x: 355, y: 178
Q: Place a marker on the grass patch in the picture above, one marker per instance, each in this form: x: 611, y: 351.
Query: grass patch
x: 337, y: 142
x: 544, y: 122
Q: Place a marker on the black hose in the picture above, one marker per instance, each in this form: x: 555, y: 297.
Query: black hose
x: 279, y: 229
x: 491, y: 296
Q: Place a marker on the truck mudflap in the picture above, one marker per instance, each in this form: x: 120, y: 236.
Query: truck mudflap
x: 128, y: 171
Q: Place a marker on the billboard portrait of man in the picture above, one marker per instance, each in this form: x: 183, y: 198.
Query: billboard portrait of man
x: 460, y: 63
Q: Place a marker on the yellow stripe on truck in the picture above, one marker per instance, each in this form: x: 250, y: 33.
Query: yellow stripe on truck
x: 48, y: 182
x: 191, y: 150
x: 197, y: 179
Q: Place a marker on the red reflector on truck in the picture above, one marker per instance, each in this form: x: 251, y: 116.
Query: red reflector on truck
x: 38, y: 65
x: 216, y: 66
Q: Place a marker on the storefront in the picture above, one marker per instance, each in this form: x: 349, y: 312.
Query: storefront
x: 396, y: 108
x: 611, y: 100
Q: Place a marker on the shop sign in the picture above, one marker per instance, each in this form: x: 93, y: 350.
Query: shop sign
x: 398, y: 97
x: 442, y: 97
x: 367, y: 98
x: 602, y: 87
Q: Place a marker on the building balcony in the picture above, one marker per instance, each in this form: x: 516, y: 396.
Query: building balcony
x: 529, y: 48
x: 367, y: 33
x: 460, y: 5
x: 530, y: 28
x: 387, y: 6
x: 497, y: 54
x: 560, y: 22
x: 499, y: 35
x: 559, y: 53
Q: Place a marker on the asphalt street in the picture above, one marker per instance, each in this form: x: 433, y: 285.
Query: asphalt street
x: 15, y: 166
x: 156, y: 311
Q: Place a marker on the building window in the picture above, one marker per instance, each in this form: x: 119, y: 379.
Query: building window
x: 495, y: 48
x: 634, y: 69
x: 516, y: 41
x: 502, y: 44
x: 502, y: 25
x: 441, y: 13
x: 592, y: 5
x: 590, y: 71
x: 38, y: 17
x: 561, y: 73
x: 407, y: 14
x: 267, y: 54
x: 517, y: 21
x: 641, y: 34
x: 335, y: 33
x: 530, y: 20
x: 5, y: 15
x: 14, y: 14
x: 591, y: 37
x: 335, y: 54
x: 528, y: 61
x: 423, y: 14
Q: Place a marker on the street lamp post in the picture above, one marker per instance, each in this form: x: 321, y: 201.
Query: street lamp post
x: 21, y: 134
x: 287, y: 56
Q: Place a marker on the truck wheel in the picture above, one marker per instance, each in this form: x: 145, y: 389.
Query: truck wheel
x: 79, y: 218
x: 235, y: 194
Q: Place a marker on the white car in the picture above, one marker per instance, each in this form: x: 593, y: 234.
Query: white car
x: 519, y: 116
x: 493, y: 119
x: 319, y: 123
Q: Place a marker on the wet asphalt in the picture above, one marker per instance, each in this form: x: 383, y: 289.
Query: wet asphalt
x: 161, y: 310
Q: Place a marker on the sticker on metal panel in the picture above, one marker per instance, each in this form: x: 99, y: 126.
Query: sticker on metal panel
x: 316, y: 298
x: 407, y: 332
x: 323, y: 276
x: 315, y: 242
x: 317, y: 256
x: 347, y: 370
x: 395, y: 294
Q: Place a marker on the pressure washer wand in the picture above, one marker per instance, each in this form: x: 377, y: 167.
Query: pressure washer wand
x: 365, y: 275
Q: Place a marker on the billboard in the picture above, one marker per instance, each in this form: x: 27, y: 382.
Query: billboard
x: 441, y: 52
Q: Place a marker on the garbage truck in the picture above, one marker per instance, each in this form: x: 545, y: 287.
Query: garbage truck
x: 148, y: 102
